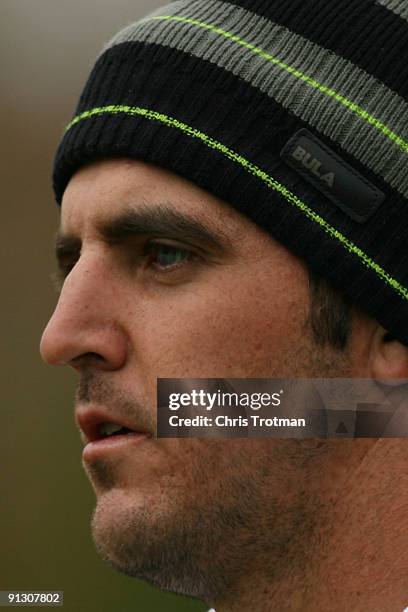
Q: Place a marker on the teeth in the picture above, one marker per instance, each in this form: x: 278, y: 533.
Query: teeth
x: 107, y: 429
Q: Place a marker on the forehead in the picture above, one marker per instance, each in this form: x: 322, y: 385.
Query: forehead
x: 101, y: 191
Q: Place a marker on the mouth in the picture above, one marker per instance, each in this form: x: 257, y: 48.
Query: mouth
x: 102, y: 434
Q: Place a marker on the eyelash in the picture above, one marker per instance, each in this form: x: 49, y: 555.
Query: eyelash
x: 58, y: 277
x: 153, y: 247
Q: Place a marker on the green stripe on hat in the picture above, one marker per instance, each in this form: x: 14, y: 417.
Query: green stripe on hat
x: 254, y: 170
x: 315, y: 84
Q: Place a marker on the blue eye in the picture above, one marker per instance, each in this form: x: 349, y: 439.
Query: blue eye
x: 166, y: 256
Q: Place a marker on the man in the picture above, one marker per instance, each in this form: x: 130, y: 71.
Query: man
x: 224, y: 156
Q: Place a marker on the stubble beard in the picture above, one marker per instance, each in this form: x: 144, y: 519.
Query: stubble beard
x: 205, y: 545
x: 172, y: 543
x: 202, y: 541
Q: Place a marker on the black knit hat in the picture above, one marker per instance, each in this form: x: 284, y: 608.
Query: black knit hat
x: 295, y: 112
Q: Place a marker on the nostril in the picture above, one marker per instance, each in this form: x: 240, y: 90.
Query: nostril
x: 91, y: 355
x: 87, y: 359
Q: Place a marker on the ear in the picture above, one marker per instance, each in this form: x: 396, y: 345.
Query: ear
x: 388, y: 357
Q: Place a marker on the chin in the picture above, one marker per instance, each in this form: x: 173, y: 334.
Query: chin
x: 152, y: 541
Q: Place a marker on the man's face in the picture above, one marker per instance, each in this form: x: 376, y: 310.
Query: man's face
x: 167, y: 281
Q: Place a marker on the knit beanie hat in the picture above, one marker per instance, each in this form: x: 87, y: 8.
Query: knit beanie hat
x: 294, y: 112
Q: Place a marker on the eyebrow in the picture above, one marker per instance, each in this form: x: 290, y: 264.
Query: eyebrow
x: 160, y: 221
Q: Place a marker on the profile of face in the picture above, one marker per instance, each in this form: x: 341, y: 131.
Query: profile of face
x: 164, y: 280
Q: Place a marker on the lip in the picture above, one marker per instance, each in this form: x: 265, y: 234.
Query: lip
x: 90, y: 419
x: 102, y: 447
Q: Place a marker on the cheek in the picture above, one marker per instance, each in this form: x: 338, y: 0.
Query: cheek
x: 219, y: 330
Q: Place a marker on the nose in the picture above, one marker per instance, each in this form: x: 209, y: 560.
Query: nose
x: 85, y: 329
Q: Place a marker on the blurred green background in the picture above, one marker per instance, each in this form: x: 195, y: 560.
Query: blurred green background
x: 47, y: 48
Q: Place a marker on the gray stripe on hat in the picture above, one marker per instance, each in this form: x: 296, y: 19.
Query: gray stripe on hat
x: 318, y: 108
x: 399, y: 7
